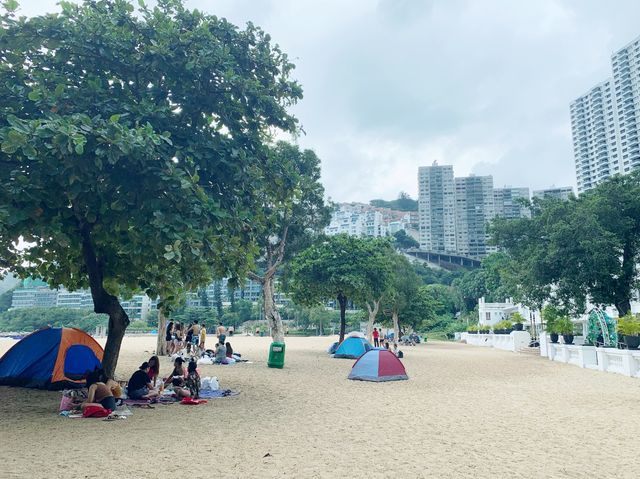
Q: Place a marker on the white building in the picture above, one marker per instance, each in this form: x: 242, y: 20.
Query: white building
x: 356, y: 219
x: 604, y: 122
x: 560, y: 193
x: 474, y: 210
x: 508, y: 202
x: 492, y: 313
x: 437, y: 208
x: 37, y: 297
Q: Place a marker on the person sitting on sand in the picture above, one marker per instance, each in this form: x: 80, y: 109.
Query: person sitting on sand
x: 177, y: 378
x: 140, y: 386
x: 221, y: 353
x: 99, y: 394
x: 193, y: 379
x: 154, y: 370
x: 229, y: 350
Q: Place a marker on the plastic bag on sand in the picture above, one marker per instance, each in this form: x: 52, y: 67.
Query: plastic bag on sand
x: 209, y: 383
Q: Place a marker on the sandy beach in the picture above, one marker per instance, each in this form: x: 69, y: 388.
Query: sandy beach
x: 465, y: 412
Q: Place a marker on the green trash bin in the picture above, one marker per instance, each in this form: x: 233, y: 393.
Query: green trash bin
x: 276, y: 355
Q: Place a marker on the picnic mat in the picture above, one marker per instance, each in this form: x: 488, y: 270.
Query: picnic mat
x: 217, y: 393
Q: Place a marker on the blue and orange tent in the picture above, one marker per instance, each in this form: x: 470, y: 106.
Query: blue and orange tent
x: 352, y: 348
x: 51, y: 358
x: 378, y: 365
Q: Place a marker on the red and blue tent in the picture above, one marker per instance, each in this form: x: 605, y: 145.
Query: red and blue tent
x: 352, y: 348
x: 378, y: 365
x: 51, y: 358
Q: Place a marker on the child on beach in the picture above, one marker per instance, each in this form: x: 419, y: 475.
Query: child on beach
x: 193, y: 379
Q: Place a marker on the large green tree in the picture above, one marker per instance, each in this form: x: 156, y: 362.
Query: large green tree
x: 129, y: 141
x: 336, y: 267
x: 583, y: 249
x: 402, y: 290
x: 292, y: 206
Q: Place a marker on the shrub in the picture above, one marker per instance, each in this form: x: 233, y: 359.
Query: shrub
x: 629, y: 325
x: 563, y: 326
x: 517, y: 318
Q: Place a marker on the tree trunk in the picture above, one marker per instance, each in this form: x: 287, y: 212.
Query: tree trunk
x: 373, y: 313
x: 104, y: 303
x: 161, y: 345
x: 396, y: 327
x: 271, y: 313
x: 342, y: 301
x: 623, y: 307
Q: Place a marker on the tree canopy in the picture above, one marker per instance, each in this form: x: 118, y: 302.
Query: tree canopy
x: 338, y: 267
x: 292, y: 209
x: 129, y: 144
x: 583, y: 249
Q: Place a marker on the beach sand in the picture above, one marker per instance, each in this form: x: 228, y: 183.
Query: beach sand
x: 464, y: 412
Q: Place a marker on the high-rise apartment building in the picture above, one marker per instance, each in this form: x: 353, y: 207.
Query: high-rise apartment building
x: 626, y: 79
x: 508, y: 202
x: 436, y: 208
x: 604, y: 122
x: 560, y: 193
x: 595, y: 135
x: 474, y: 210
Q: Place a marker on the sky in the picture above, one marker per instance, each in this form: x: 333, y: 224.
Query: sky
x: 391, y: 85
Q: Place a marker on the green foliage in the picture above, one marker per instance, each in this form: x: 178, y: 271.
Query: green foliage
x: 403, y: 203
x: 629, y: 325
x: 502, y: 325
x: 190, y: 315
x: 517, y: 318
x: 403, y: 241
x: 130, y: 144
x: 583, y: 248
x: 551, y: 315
x: 564, y: 326
x: 473, y: 328
x: 30, y: 319
x: 245, y: 310
x: 340, y: 267
x: 494, y: 280
x: 436, y: 275
x: 5, y: 300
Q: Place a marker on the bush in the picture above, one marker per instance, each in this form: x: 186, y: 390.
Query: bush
x: 629, y: 325
x: 517, y: 318
x: 564, y: 326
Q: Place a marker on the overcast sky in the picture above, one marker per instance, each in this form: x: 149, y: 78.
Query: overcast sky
x: 390, y: 85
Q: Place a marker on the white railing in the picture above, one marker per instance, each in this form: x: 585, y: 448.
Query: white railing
x: 514, y: 341
x: 619, y: 361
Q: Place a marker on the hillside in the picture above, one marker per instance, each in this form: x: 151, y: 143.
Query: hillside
x: 404, y: 203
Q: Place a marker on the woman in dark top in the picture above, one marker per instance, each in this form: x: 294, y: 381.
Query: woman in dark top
x: 139, y: 386
x: 100, y: 394
x: 168, y: 337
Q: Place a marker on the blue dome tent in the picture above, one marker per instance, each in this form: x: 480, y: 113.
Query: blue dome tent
x: 352, y: 348
x: 51, y: 358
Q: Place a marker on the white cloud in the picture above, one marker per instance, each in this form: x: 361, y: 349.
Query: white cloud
x: 484, y: 85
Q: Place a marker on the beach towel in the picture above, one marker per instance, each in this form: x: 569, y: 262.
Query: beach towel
x: 218, y: 393
x: 193, y: 402
x: 95, y: 411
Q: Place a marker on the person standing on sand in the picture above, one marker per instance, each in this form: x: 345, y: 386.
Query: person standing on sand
x: 221, y: 332
x: 167, y: 337
x: 203, y: 337
x: 376, y: 338
x: 195, y: 336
